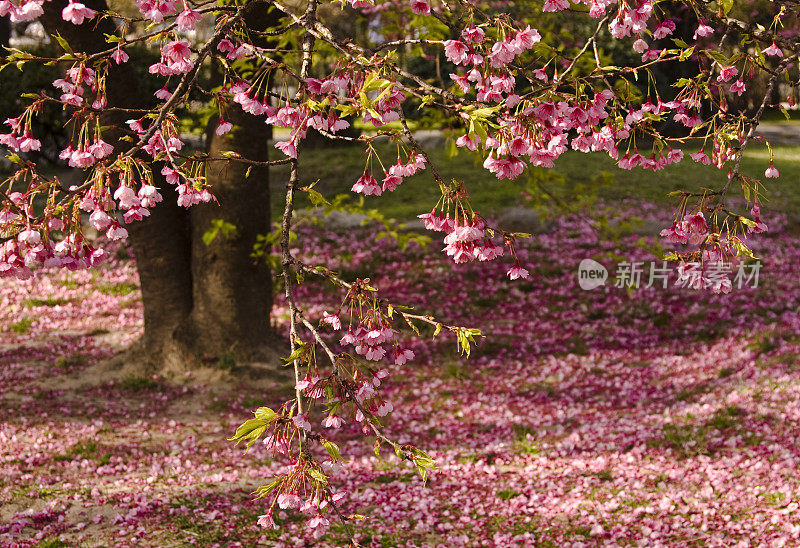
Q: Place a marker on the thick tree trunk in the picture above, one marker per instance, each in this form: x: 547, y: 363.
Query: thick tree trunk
x: 232, y: 291
x: 201, y: 303
x: 5, y: 31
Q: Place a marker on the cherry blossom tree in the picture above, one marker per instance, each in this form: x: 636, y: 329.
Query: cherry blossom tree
x: 504, y: 84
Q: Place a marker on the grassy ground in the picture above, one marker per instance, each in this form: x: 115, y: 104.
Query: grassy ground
x: 337, y: 169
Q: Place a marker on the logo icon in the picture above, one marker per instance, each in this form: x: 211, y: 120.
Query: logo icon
x: 591, y: 274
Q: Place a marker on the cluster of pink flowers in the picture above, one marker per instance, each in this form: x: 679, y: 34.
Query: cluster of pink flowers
x: 87, y: 153
x: 20, y: 138
x: 717, y: 252
x: 369, y: 186
x: 297, y: 119
x: 719, y: 155
x: 175, y: 59
x: 26, y: 10
x: 464, y: 241
x: 157, y: 10
x: 692, y: 229
x: 72, y: 87
x: 190, y: 192
x: 34, y: 247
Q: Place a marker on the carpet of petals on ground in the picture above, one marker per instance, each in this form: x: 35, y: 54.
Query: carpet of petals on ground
x: 650, y: 416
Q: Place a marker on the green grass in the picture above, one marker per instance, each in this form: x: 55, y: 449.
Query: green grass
x: 133, y: 383
x: 338, y: 168
x: 33, y: 303
x: 80, y: 449
x: 117, y: 290
x: 23, y: 325
x: 52, y: 542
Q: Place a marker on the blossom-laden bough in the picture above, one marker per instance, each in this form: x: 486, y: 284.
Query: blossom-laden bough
x: 515, y: 96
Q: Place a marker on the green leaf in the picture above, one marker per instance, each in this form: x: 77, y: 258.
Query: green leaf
x: 718, y: 57
x: 62, y: 42
x: 249, y: 431
x: 252, y: 429
x: 317, y: 475
x: 14, y: 157
x: 265, y: 413
x: 227, y: 229
x: 297, y: 352
x: 726, y: 6
x: 265, y: 490
x: 332, y: 449
x: 316, y: 198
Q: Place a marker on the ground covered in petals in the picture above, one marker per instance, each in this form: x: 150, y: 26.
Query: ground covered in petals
x: 611, y: 416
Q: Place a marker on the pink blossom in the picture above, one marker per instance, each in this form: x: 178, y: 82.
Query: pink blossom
x: 135, y: 125
x: 116, y: 233
x: 664, y: 29
x: 76, y: 13
x: 332, y: 320
x: 517, y: 271
x: 301, y: 421
x: 287, y: 501
x: 367, y: 185
x: 640, y: 46
x: 126, y: 197
x: 555, y: 5
x: 28, y: 143
x: 391, y: 182
x: 726, y: 73
x: 771, y: 171
x: 701, y: 157
x: 287, y: 147
x: 318, y: 522
x: 119, y: 56
x: 100, y: 149
x: 29, y: 237
x: 403, y: 356
x: 332, y: 421
x: 156, y: 10
x: 263, y: 521
x: 149, y: 196
x: 703, y: 31
x: 223, y: 127
x: 527, y: 38
x: 773, y: 50
x: 455, y: 51
x: 473, y: 34
x: 502, y: 54
x: 420, y: 7
x: 188, y: 19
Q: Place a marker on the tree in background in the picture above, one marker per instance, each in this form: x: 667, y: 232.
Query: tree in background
x: 518, y: 84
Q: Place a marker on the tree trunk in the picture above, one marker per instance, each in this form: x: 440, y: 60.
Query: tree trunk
x: 202, y: 304
x: 232, y: 291
x: 5, y: 31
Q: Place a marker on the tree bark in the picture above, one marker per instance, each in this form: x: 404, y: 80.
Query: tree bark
x: 232, y: 291
x: 5, y: 32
